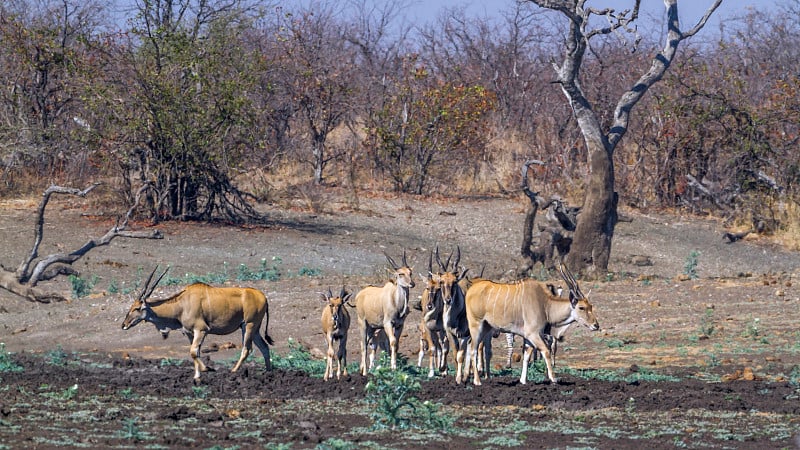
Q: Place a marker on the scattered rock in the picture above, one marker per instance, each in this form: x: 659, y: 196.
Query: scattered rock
x: 640, y: 260
x: 213, y: 347
x: 745, y: 374
x: 318, y: 353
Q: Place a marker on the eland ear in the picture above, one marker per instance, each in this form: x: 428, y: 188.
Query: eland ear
x: 573, y: 299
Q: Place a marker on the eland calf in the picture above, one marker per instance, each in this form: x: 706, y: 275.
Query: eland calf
x: 335, y: 325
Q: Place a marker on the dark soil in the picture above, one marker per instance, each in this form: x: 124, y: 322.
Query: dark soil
x: 730, y: 338
x: 112, y: 393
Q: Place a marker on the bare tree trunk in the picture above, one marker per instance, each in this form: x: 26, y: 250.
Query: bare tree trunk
x: 529, y: 257
x: 591, y: 248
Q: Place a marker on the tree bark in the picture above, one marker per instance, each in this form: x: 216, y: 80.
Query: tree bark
x: 591, y: 247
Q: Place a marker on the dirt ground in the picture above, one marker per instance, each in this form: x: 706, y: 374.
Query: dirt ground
x: 729, y: 339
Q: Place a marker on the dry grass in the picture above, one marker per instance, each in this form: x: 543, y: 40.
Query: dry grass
x: 789, y: 234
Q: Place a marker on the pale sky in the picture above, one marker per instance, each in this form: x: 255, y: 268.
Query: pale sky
x: 689, y: 10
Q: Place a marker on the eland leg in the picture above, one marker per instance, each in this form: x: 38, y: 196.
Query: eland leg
x: 197, y: 337
x: 247, y: 344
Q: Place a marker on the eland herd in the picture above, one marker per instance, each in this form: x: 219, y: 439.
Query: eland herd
x: 458, y: 312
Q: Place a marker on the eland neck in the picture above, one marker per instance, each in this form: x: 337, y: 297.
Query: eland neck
x: 559, y: 312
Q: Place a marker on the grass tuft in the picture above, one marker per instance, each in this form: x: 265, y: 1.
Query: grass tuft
x: 300, y: 359
x: 7, y: 363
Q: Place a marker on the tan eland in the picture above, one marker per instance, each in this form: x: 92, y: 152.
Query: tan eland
x: 200, y: 309
x: 384, y: 307
x: 525, y: 308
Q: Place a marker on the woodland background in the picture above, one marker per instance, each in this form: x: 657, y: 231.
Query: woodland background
x: 217, y: 104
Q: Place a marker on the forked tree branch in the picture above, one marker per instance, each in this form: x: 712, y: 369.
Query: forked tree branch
x: 22, y: 270
x: 23, y: 281
x: 40, y: 273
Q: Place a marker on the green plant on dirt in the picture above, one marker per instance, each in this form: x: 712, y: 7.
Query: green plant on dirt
x: 191, y: 278
x: 713, y: 359
x: 690, y: 266
x: 209, y: 278
x: 707, y: 323
x: 504, y: 441
x: 300, y: 359
x: 7, y: 363
x: 614, y: 343
x: 112, y: 287
x: 794, y: 376
x: 131, y: 432
x: 264, y: 272
x: 127, y: 288
x: 199, y: 392
x: 67, y: 394
x: 753, y: 331
x: 390, y: 393
x: 57, y: 356
x: 307, y: 272
x: 630, y: 406
x: 127, y: 393
x: 335, y: 444
x: 639, y: 374
x: 166, y: 362
x: 82, y: 287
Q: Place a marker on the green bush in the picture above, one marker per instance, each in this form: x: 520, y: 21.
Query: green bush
x: 298, y: 358
x: 7, y: 363
x: 390, y: 392
x: 81, y: 287
x: 690, y: 266
x: 264, y: 272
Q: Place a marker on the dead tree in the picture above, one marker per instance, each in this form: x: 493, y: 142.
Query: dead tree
x: 555, y: 232
x: 33, y: 269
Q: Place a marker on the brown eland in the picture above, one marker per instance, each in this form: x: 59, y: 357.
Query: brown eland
x: 525, y: 308
x: 384, y: 307
x: 200, y: 309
